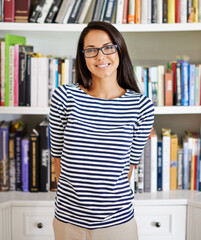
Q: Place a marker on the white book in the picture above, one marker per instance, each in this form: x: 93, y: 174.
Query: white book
x: 67, y: 81
x: 2, y: 67
x: 149, y: 6
x: 131, y: 9
x: 144, y: 11
x: 183, y: 11
x: 154, y: 140
x: 199, y: 11
x: 46, y: 7
x: 160, y: 89
x: 119, y: 14
x: 166, y: 163
x: 84, y: 11
x: 68, y: 10
x: 11, y: 75
x: 62, y: 11
x: 139, y: 73
x: 34, y: 82
x: 159, y: 11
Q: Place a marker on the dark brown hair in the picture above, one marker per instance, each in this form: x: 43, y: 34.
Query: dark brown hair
x: 125, y: 74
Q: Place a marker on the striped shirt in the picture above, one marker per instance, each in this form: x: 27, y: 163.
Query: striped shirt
x: 97, y: 140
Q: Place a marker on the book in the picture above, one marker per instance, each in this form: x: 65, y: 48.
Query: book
x: 178, y: 84
x: 11, y: 75
x: 192, y: 85
x: 12, y: 161
x: 173, y: 68
x: 185, y: 82
x: 9, y: 41
x: 161, y: 85
x: 53, y: 181
x: 2, y: 73
x: 180, y: 168
x: 9, y: 10
x: 34, y: 153
x: 84, y: 11
x: 147, y: 166
x: 138, y: 11
x: 185, y: 165
x: 159, y: 165
x: 76, y: 11
x: 109, y: 11
x: 125, y: 12
x: 44, y: 11
x: 153, y: 160
x: 23, y: 86
x: 166, y: 158
x: 183, y: 11
x: 153, y: 76
x: 173, y: 161
x: 154, y: 11
x: 36, y: 11
x: 25, y: 164
x: 131, y: 11
x: 119, y: 11
x: 178, y: 11
x: 159, y: 11
x: 171, y: 11
x: 168, y: 87
x: 4, y: 156
x: 53, y: 11
x: 165, y: 11
x: 1, y: 10
x: 22, y: 10
x: 44, y: 156
x: 195, y: 11
x: 190, y: 11
x: 144, y: 12
x: 96, y: 14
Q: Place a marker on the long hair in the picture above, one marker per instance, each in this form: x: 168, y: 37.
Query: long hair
x: 125, y: 74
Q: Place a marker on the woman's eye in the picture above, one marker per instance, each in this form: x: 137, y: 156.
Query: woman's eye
x: 91, y: 50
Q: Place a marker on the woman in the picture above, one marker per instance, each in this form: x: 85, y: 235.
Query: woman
x: 99, y: 127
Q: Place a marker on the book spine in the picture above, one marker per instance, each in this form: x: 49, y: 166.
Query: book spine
x: 173, y: 67
x: 119, y: 13
x: 28, y: 81
x: 199, y: 11
x: 147, y: 166
x: 11, y: 75
x: 185, y: 83
x: 34, y: 164
x: 125, y: 12
x: 109, y: 10
x: 177, y: 11
x: 84, y: 11
x: 22, y: 76
x: 144, y: 12
x: 9, y: 10
x: 34, y: 81
x: 131, y: 11
x: 185, y: 166
x: 16, y: 77
x: 168, y: 88
x: 25, y: 165
x: 159, y: 165
x: 180, y: 168
x: 159, y: 13
x: 2, y: 67
x: 160, y: 89
x: 53, y: 182
x: 153, y: 12
x: 53, y: 11
x: 171, y: 11
x: 153, y: 163
x: 198, y: 163
x: 74, y: 16
x: 44, y: 11
x: 197, y: 85
x: 165, y: 11
x: 173, y: 162
x: 183, y: 12
x: 192, y: 85
x: 22, y: 10
x: 190, y: 11
x: 138, y: 11
x: 37, y: 11
x: 18, y: 147
x: 166, y: 163
x: 195, y: 11
x: 179, y: 86
x: 12, y: 161
x: 69, y: 8
x: 1, y: 10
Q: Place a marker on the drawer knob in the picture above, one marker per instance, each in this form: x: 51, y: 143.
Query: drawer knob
x: 157, y: 224
x: 40, y: 225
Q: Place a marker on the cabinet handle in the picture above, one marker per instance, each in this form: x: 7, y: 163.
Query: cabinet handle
x: 40, y: 225
x: 157, y: 224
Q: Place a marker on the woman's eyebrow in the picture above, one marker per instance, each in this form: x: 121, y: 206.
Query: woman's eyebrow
x: 92, y: 46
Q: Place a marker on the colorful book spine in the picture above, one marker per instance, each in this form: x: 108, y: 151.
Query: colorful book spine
x: 173, y: 162
x: 159, y: 165
x: 25, y: 164
x: 171, y: 11
x: 185, y: 82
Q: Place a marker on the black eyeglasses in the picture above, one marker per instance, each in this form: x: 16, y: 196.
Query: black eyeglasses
x: 106, y: 50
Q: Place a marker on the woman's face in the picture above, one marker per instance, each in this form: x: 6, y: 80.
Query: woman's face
x: 102, y: 66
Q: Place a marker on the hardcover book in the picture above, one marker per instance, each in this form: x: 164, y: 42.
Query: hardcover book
x: 12, y: 161
x: 9, y: 10
x: 36, y: 11
x: 53, y: 11
x: 25, y: 164
x: 22, y: 10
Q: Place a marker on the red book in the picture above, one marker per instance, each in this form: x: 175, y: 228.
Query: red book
x: 22, y: 10
x: 9, y: 10
x: 125, y: 12
x: 174, y: 83
x: 177, y: 11
x: 168, y: 87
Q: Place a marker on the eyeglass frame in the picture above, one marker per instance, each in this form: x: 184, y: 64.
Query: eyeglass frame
x: 101, y: 48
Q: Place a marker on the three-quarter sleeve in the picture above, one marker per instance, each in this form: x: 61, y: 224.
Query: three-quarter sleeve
x: 58, y: 121
x: 142, y: 129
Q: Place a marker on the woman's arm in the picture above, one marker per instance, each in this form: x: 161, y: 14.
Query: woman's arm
x: 57, y: 167
x: 130, y: 171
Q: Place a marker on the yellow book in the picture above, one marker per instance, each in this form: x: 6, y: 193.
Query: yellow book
x: 171, y: 11
x: 195, y: 11
x: 173, y: 162
x: 63, y: 73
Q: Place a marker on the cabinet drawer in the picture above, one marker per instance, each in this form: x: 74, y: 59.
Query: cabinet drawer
x: 30, y: 223
x: 161, y: 222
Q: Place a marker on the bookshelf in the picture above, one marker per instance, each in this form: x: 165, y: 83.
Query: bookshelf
x: 148, y: 44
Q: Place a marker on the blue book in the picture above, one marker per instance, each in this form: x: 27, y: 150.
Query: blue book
x: 159, y: 165
x: 109, y: 10
x: 145, y: 80
x: 185, y: 83
x: 192, y: 85
x: 25, y: 164
x: 153, y: 75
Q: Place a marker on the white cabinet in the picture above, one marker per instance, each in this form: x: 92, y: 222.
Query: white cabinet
x: 161, y: 222
x: 32, y: 223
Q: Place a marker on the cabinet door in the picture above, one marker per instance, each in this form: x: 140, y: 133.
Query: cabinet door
x: 32, y: 223
x: 161, y: 222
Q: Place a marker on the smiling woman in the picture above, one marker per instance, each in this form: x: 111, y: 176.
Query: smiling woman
x: 98, y: 128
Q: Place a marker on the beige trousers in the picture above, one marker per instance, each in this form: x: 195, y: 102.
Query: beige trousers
x: 67, y: 231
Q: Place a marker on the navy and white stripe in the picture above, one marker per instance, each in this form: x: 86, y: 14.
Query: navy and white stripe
x: 97, y: 140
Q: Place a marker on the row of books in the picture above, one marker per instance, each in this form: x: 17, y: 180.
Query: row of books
x: 166, y: 165
x: 28, y: 78
x: 115, y: 11
x: 178, y: 84
x: 25, y: 163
